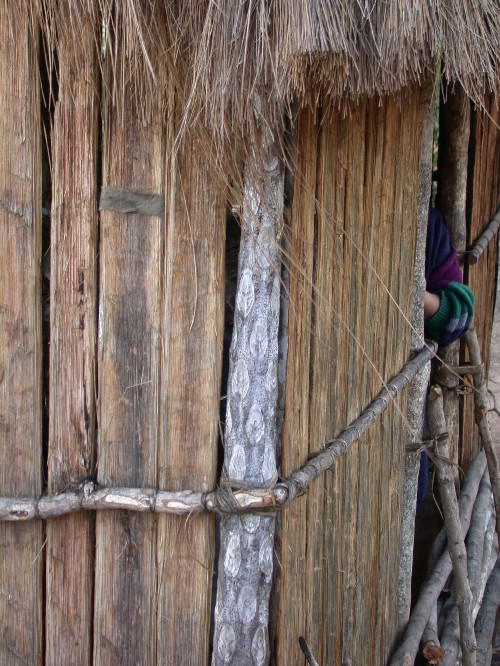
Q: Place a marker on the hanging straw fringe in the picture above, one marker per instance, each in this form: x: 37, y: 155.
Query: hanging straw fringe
x: 226, y: 500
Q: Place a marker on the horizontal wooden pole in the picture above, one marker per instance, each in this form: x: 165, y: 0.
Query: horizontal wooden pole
x: 89, y: 496
x: 473, y: 254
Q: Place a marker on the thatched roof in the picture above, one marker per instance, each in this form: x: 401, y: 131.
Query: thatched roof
x: 220, y: 52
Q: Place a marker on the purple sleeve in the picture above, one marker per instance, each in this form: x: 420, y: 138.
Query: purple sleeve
x: 441, y: 265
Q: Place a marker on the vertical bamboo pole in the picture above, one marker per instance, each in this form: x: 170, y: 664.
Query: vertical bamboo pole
x: 72, y: 349
x: 246, y: 557
x: 129, y: 364
x: 191, y: 362
x: 417, y: 389
x: 21, y: 546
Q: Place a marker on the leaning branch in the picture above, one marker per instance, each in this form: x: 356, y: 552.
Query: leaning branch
x: 481, y: 414
x: 472, y: 254
x: 430, y: 590
x: 88, y: 496
x: 456, y: 544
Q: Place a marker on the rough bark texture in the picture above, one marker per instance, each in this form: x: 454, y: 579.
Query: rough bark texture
x: 454, y: 131
x: 72, y: 346
x: 417, y: 389
x: 485, y: 623
x: 456, y: 544
x: 21, y: 546
x: 481, y: 413
x: 430, y: 590
x: 484, y: 199
x: 246, y: 556
x: 128, y: 400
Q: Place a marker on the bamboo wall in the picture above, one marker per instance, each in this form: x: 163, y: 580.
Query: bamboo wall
x: 353, y: 229
x: 135, y: 355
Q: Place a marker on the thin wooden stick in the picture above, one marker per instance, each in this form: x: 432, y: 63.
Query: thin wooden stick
x: 456, y: 544
x: 88, y: 496
x: 431, y: 588
x: 307, y: 652
x: 481, y: 414
x: 474, y: 253
x: 485, y: 623
x: 479, y: 543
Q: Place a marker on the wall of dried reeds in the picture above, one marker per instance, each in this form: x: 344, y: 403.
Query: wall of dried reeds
x: 353, y: 228
x: 134, y: 357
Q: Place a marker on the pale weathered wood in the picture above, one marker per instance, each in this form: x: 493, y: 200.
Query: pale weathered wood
x: 246, y: 555
x: 193, y: 322
x: 128, y: 398
x: 456, y: 543
x: 454, y: 132
x: 431, y: 588
x: 417, y: 390
x: 485, y: 623
x: 481, y: 408
x: 484, y: 200
x: 21, y: 546
x: 73, y: 301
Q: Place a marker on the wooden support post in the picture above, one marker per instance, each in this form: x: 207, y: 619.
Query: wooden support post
x: 246, y: 557
x: 454, y: 131
x: 70, y: 541
x: 418, y: 387
x: 21, y: 546
x: 456, y: 544
x: 406, y: 651
x: 131, y: 247
x: 481, y: 415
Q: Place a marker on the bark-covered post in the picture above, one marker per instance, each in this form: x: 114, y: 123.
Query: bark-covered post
x: 456, y: 544
x: 417, y: 388
x: 246, y: 556
x: 454, y: 133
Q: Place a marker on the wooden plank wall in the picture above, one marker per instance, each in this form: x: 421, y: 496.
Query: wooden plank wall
x: 73, y: 300
x: 483, y: 201
x: 191, y: 371
x: 355, y: 240
x: 21, y: 546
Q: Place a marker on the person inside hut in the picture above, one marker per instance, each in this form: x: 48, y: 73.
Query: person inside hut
x: 448, y: 303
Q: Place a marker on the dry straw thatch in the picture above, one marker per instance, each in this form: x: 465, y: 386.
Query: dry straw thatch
x: 220, y: 54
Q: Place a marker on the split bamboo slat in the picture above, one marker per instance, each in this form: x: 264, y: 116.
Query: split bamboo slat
x: 131, y: 247
x: 70, y: 541
x: 484, y: 193
x: 362, y: 174
x: 191, y: 369
x: 21, y: 546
